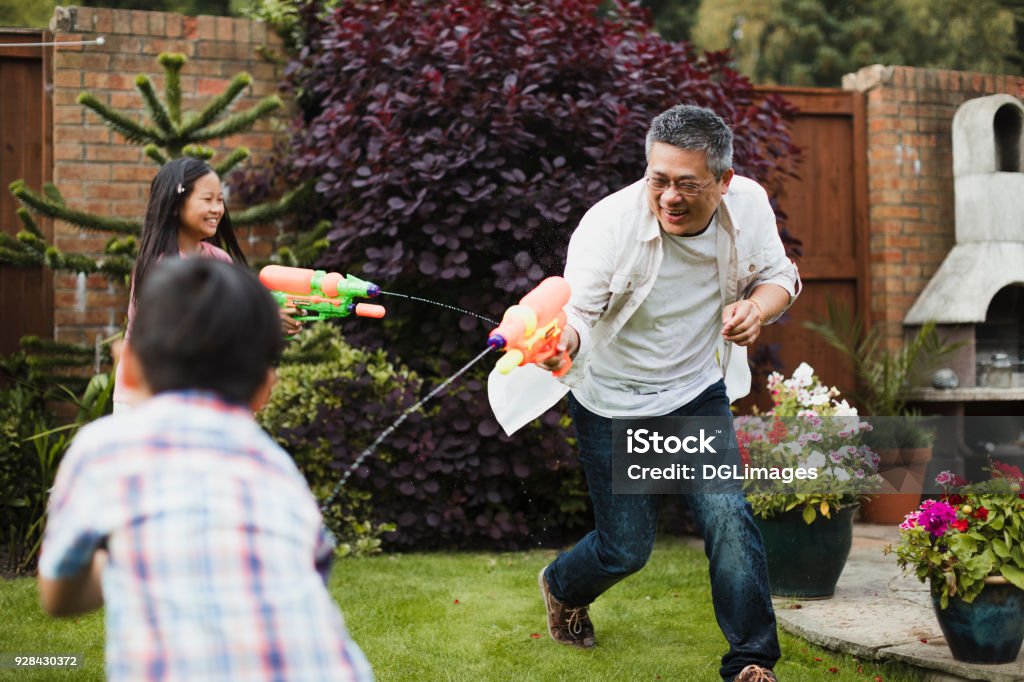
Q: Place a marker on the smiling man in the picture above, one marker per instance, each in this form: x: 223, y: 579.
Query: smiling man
x: 672, y: 277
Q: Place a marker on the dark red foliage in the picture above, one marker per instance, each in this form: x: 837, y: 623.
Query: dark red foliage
x: 455, y: 145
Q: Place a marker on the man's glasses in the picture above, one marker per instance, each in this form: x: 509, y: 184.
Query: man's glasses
x: 687, y: 189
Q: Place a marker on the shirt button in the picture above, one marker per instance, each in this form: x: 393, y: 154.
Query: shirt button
x: 751, y: 268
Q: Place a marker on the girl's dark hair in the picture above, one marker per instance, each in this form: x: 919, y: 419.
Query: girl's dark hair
x: 170, y: 188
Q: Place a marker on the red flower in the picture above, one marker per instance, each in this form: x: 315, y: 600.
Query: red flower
x: 981, y: 513
x: 1003, y: 470
x: 778, y: 432
x: 960, y: 525
x: 953, y: 500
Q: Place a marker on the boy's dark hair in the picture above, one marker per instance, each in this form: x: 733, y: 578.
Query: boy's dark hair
x: 202, y: 323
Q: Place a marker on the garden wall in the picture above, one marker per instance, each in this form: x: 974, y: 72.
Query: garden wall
x: 97, y: 170
x: 910, y: 176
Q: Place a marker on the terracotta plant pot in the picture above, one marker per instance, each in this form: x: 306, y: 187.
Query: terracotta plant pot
x: 903, y: 471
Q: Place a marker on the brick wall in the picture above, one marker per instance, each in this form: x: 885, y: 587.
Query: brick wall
x: 97, y: 170
x: 910, y: 176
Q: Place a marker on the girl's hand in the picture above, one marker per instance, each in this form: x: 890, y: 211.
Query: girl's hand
x: 289, y: 325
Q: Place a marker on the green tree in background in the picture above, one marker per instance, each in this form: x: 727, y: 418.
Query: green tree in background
x: 815, y: 42
x: 24, y: 13
x: 674, y: 19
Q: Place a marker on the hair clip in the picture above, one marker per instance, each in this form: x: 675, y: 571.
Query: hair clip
x: 181, y: 188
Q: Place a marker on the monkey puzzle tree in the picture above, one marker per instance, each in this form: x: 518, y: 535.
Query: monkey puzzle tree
x: 169, y: 134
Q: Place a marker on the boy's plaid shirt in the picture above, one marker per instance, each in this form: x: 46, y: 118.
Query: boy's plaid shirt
x: 218, y: 554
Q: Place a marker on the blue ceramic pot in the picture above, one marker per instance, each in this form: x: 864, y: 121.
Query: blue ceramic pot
x: 988, y: 630
x: 806, y: 560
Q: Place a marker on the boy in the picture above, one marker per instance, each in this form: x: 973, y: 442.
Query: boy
x: 193, y: 527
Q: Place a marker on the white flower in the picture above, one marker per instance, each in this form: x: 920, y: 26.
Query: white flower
x: 816, y: 460
x: 803, y: 375
x: 844, y: 409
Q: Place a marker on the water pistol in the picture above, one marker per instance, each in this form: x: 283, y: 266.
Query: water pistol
x: 320, y: 295
x: 529, y: 331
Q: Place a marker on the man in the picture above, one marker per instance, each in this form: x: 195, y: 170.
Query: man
x: 671, y: 278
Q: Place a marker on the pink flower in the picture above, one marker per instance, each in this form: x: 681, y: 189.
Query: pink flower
x: 936, y: 517
x: 910, y: 521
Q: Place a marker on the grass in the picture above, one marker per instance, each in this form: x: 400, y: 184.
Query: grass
x: 475, y: 616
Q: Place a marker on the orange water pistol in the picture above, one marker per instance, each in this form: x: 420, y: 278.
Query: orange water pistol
x: 530, y: 331
x: 318, y: 294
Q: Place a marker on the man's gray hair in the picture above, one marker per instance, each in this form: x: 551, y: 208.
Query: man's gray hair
x: 695, y: 129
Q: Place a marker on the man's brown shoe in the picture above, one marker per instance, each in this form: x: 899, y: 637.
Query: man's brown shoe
x: 755, y: 673
x: 566, y: 624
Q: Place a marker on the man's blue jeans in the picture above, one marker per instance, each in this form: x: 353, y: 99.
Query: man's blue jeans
x: 624, y: 533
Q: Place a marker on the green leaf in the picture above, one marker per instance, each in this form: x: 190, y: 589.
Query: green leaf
x: 1014, y: 574
x: 809, y: 515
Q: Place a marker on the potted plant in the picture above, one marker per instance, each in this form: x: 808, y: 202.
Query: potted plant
x: 904, y: 447
x: 806, y: 515
x: 885, y: 378
x: 969, y: 546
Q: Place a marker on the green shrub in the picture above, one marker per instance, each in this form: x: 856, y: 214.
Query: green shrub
x: 31, y: 447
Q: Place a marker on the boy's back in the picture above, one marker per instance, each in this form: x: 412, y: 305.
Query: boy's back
x: 212, y: 536
x: 203, y: 535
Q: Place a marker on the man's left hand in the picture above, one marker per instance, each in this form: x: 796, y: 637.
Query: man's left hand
x: 741, y: 322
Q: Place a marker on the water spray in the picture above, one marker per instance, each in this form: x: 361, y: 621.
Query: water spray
x: 438, y: 303
x: 60, y: 43
x: 372, y: 447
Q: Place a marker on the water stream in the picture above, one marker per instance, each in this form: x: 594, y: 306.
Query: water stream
x: 388, y: 431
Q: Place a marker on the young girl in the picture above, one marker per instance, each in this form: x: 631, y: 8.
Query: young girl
x: 185, y: 217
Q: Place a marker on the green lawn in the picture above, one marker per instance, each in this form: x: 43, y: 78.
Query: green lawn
x: 425, y: 617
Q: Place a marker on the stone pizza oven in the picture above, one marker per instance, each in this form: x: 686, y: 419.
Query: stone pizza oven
x: 977, y: 294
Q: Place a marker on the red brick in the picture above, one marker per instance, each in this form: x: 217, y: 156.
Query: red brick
x: 135, y: 63
x: 127, y: 102
x: 243, y: 30
x: 80, y: 171
x: 190, y: 28
x: 108, y: 81
x: 134, y: 173
x: 225, y: 29
x: 114, y: 152
x: 888, y: 256
x: 212, y: 86
x: 95, y: 318
x: 904, y: 242
x: 67, y: 78
x: 906, y: 212
x: 206, y: 28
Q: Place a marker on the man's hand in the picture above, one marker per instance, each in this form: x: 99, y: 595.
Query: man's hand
x: 741, y: 322
x: 570, y: 342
